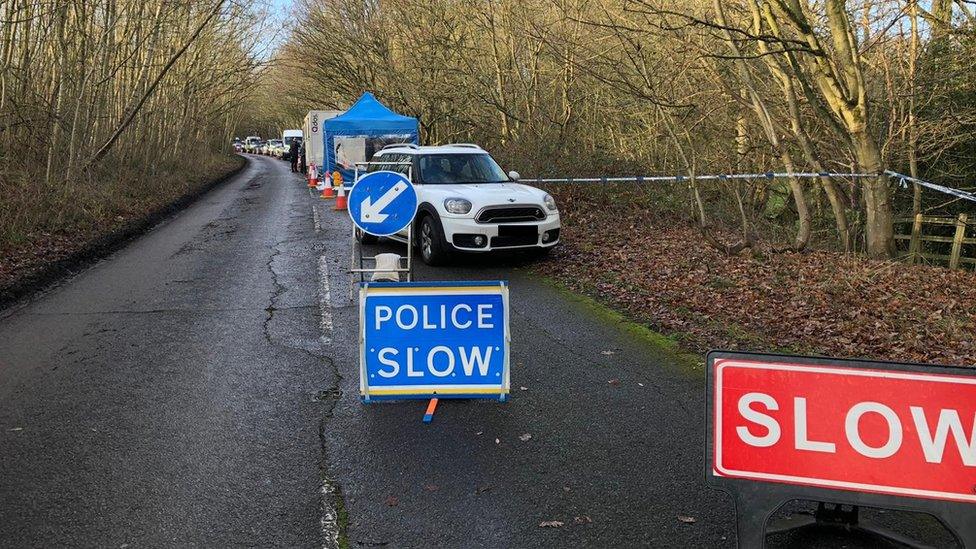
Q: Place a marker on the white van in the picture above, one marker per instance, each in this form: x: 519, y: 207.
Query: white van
x: 313, y: 130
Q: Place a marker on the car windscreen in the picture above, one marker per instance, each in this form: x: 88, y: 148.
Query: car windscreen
x: 447, y: 169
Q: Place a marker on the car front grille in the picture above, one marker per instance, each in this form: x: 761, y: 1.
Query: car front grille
x: 511, y: 214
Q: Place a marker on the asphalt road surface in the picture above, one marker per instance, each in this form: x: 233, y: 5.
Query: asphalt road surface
x: 199, y: 388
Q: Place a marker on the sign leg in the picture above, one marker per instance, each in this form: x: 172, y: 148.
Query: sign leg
x: 431, y: 408
x: 963, y: 525
x: 751, y: 514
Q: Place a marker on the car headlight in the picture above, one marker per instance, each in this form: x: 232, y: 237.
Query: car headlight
x: 457, y: 205
x: 550, y: 202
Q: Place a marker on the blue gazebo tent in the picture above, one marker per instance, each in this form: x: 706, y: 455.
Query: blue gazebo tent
x: 365, y: 128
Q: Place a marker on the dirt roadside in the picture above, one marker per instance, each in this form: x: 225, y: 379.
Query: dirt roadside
x: 50, y: 258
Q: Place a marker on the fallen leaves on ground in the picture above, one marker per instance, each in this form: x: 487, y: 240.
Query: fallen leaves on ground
x: 663, y: 275
x: 551, y: 524
x: 686, y: 519
x: 35, y: 250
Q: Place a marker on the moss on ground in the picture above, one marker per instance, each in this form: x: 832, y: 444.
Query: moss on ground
x: 656, y: 342
x: 342, y: 519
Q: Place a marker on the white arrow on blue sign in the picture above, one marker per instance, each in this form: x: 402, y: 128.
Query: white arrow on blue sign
x: 382, y: 203
x: 434, y: 340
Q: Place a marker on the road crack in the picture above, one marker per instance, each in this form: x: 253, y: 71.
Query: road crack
x: 276, y: 291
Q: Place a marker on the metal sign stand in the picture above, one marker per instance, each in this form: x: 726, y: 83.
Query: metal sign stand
x: 358, y: 262
x: 843, y: 517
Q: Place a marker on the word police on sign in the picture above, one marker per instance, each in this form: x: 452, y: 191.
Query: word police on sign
x: 434, y: 340
x: 382, y: 203
x: 841, y: 431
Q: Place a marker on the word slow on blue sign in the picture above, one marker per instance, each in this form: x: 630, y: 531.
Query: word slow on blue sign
x: 434, y: 339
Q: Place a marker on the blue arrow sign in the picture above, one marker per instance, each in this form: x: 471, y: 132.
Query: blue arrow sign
x: 434, y: 340
x: 382, y: 203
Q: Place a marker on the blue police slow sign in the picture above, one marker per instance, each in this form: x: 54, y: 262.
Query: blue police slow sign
x: 434, y: 340
x: 382, y: 203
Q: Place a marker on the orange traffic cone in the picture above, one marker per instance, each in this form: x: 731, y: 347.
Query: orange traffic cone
x: 313, y: 177
x: 327, y: 190
x: 341, y: 201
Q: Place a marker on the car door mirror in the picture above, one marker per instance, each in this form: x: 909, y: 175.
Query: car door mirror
x: 514, y: 176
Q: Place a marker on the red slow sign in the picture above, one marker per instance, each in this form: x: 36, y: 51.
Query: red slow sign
x: 889, y: 432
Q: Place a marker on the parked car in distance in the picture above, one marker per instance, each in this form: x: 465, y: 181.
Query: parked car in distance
x: 467, y: 203
x: 250, y: 143
x: 274, y: 148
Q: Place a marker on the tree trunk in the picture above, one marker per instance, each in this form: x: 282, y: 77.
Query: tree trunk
x: 878, y: 227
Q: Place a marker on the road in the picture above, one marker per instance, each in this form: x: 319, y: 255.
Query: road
x: 199, y: 388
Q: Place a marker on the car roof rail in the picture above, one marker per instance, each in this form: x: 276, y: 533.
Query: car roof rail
x: 464, y: 145
x: 398, y: 145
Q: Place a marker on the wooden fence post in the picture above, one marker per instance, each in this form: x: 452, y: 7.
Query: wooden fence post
x: 915, y: 244
x: 957, y: 241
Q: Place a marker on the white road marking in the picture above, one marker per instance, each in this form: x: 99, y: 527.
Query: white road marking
x: 325, y: 301
x: 315, y: 218
x: 329, y: 521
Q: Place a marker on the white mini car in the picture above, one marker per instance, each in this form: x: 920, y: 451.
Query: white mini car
x: 466, y: 202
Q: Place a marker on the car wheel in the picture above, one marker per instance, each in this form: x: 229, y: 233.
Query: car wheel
x: 431, y: 242
x: 365, y: 238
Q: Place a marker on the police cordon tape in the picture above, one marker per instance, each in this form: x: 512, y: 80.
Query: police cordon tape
x: 681, y: 178
x: 958, y: 193
x: 904, y: 179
